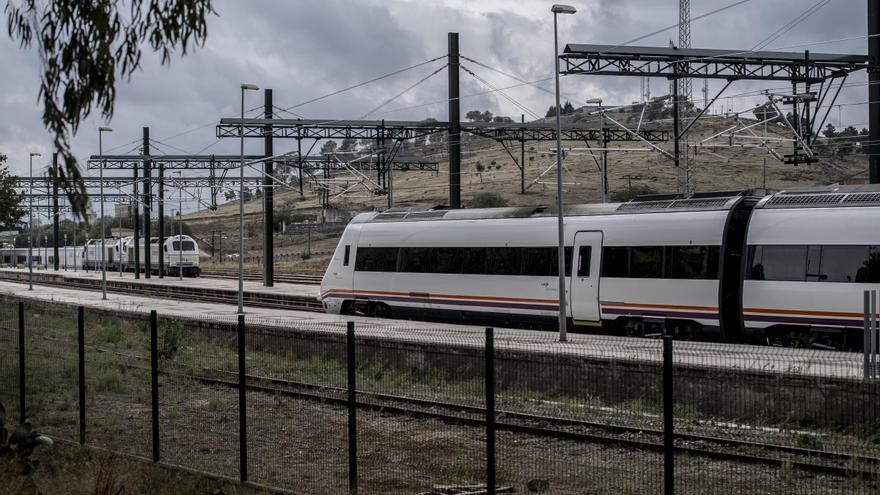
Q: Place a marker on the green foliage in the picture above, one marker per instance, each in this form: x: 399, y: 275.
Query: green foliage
x: 567, y: 109
x: 480, y: 167
x: 84, y: 45
x: 10, y: 212
x: 765, y: 111
x: 171, y: 338
x: 487, y: 200
x: 348, y: 144
x: 21, y: 443
x: 628, y: 194
x: 329, y: 147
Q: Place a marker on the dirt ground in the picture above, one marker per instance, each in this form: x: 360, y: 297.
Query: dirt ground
x: 301, y: 445
x: 69, y: 469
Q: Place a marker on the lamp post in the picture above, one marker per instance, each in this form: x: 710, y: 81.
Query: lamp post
x: 31, y: 224
x: 560, y: 9
x: 244, y: 87
x: 65, y: 251
x: 45, y: 252
x: 101, y: 131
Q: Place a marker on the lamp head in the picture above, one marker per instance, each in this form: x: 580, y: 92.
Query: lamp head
x: 563, y: 9
x: 252, y: 87
x: 594, y: 101
x: 104, y: 129
x: 35, y: 154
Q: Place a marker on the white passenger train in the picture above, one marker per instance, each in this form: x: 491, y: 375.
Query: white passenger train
x: 180, y: 253
x: 789, y: 266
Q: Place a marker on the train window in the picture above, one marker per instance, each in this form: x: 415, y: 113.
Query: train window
x: 503, y: 261
x: 414, y: 260
x: 780, y: 263
x: 584, y: 261
x: 447, y: 259
x: 474, y: 262
x: 538, y: 261
x: 813, y: 271
x: 187, y: 246
x: 376, y: 259
x: 871, y: 267
x: 646, y: 262
x: 347, y: 254
x: 692, y: 262
x: 554, y: 261
x: 615, y: 261
x: 845, y: 263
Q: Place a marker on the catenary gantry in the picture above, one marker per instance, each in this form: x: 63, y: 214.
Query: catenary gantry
x: 402, y: 129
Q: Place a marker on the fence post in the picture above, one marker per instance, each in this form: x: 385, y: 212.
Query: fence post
x: 22, y: 409
x: 81, y: 351
x: 668, y: 430
x: 242, y: 404
x: 154, y: 381
x: 866, y: 336
x: 490, y: 411
x: 352, y: 409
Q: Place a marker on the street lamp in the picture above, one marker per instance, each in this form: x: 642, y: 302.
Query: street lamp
x: 31, y: 225
x: 560, y: 9
x: 101, y: 131
x: 65, y: 251
x: 244, y: 87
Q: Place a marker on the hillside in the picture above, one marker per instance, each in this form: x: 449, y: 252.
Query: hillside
x: 721, y: 168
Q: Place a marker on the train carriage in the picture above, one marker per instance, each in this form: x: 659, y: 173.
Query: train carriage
x: 634, y: 266
x: 811, y: 254
x: 786, y: 267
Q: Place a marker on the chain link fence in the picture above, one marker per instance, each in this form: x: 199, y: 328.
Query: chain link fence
x: 332, y: 407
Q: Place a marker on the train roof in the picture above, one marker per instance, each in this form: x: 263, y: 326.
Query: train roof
x: 823, y: 197
x: 721, y: 200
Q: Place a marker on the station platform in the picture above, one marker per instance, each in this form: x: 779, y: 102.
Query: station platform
x: 526, y: 344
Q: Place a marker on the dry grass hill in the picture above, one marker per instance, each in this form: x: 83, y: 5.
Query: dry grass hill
x: 487, y: 167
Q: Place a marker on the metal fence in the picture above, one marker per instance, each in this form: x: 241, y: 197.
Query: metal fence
x: 338, y: 408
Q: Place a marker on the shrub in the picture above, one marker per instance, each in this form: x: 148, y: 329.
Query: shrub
x: 628, y: 194
x: 487, y: 200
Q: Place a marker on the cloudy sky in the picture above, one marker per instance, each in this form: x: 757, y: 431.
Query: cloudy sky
x: 307, y: 48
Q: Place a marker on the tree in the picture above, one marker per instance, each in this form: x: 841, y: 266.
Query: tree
x: 348, y: 144
x: 830, y: 131
x: 765, y: 111
x: 229, y: 195
x: 329, y: 148
x: 474, y: 115
x: 551, y: 112
x: 501, y: 119
x: 84, y: 45
x: 568, y: 108
x: 10, y: 211
x: 487, y: 116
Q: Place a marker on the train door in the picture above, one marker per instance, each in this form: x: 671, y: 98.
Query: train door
x: 584, y: 292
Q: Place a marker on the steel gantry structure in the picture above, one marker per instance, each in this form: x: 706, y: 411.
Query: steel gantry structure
x: 398, y: 131
x: 384, y: 158
x: 731, y: 65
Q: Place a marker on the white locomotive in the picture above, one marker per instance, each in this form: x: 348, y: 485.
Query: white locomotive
x: 789, y: 266
x: 180, y: 253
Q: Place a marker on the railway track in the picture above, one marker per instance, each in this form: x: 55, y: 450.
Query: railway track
x: 290, y: 278
x: 176, y: 292
x: 718, y: 448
